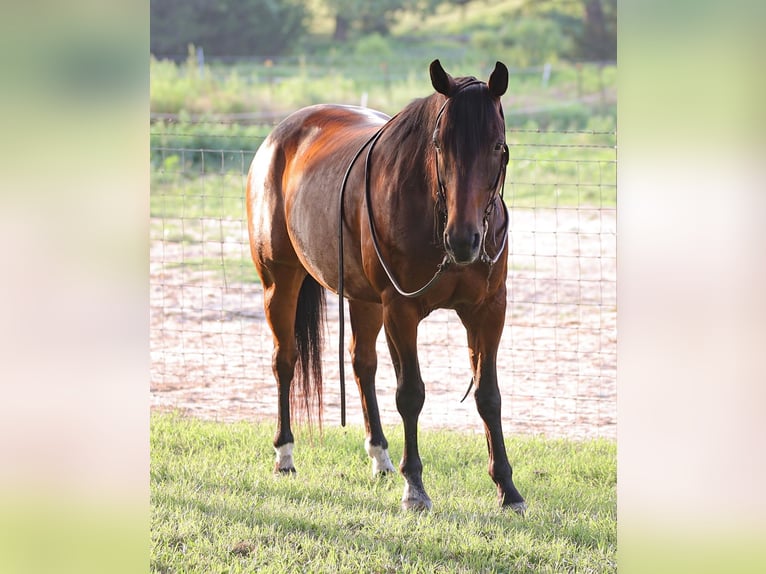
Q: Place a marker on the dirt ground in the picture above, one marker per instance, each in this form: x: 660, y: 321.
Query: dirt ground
x: 211, y: 348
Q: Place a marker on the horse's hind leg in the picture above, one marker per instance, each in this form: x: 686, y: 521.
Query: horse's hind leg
x: 280, y: 296
x: 366, y: 321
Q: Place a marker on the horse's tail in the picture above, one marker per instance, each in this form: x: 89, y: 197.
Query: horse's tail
x: 309, y: 328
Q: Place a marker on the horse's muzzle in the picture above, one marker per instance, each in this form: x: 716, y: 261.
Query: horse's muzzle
x: 463, y: 248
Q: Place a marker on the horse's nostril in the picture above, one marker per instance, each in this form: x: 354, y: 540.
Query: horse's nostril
x: 462, y: 248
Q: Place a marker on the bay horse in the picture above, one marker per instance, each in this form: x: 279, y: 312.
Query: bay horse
x: 418, y: 224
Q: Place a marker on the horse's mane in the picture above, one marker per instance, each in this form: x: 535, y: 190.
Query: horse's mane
x: 411, y: 129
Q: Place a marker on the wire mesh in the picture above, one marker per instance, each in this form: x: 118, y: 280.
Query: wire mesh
x: 211, y: 348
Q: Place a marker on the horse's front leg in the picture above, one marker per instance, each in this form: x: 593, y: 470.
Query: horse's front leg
x: 484, y: 325
x: 366, y: 321
x: 401, y: 325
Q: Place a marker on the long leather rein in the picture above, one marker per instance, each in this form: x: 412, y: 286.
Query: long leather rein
x: 441, y: 201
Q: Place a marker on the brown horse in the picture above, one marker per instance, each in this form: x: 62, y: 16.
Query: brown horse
x: 419, y: 225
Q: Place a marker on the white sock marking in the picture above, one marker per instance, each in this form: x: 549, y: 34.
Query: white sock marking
x: 284, y: 456
x: 380, y: 459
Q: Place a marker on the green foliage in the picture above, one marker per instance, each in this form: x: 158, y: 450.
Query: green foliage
x: 589, y: 25
x: 578, y: 29
x: 571, y: 96
x: 392, y: 69
x: 362, y: 16
x: 373, y: 47
x: 225, y: 27
x: 216, y: 506
x: 531, y: 31
x: 525, y: 42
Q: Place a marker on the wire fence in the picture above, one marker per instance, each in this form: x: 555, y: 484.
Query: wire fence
x: 211, y: 348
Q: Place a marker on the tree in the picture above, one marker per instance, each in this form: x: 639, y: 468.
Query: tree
x: 590, y: 24
x: 225, y: 27
x: 367, y: 17
x: 599, y: 36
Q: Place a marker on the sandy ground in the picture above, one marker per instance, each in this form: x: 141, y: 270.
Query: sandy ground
x: 211, y: 348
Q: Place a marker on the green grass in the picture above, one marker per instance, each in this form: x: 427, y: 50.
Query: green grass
x: 228, y: 269
x: 216, y: 507
x: 193, y: 195
x: 561, y: 169
x: 204, y: 212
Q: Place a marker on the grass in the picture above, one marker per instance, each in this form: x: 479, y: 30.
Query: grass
x: 203, y: 214
x: 190, y: 195
x: 216, y: 507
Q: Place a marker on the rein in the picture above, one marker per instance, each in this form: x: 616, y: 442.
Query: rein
x: 441, y: 201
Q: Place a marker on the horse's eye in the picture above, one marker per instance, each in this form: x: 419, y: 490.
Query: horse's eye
x: 498, y: 146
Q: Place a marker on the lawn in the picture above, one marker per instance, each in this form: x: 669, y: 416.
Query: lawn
x: 216, y: 507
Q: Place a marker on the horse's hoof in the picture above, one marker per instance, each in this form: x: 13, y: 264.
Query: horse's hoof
x: 519, y: 508
x: 284, y: 463
x: 416, y: 505
x: 382, y: 469
x: 381, y: 462
x: 415, y: 499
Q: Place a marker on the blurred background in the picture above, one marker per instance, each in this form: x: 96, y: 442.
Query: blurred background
x: 255, y: 60
x: 223, y: 73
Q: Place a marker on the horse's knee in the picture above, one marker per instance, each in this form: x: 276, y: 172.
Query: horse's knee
x: 365, y: 364
x: 410, y: 399
x: 488, y: 401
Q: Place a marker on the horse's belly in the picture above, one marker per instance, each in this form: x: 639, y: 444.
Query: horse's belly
x: 313, y: 229
x: 312, y: 225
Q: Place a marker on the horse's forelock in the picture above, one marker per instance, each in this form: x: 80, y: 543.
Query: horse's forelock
x: 469, y: 121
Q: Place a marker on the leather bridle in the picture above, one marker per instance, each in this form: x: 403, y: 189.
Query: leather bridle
x: 441, y: 206
x: 441, y: 199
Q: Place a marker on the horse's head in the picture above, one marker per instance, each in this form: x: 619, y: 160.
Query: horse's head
x: 471, y: 155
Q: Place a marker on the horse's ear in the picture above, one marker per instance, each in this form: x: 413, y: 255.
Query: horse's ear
x: 498, y: 80
x: 441, y: 80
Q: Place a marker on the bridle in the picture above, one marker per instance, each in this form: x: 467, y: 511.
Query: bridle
x: 441, y: 199
x: 441, y: 206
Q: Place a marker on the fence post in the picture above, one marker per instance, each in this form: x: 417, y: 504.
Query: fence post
x: 546, y: 74
x: 201, y: 61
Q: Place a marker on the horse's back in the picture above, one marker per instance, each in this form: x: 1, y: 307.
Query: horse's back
x: 294, y: 182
